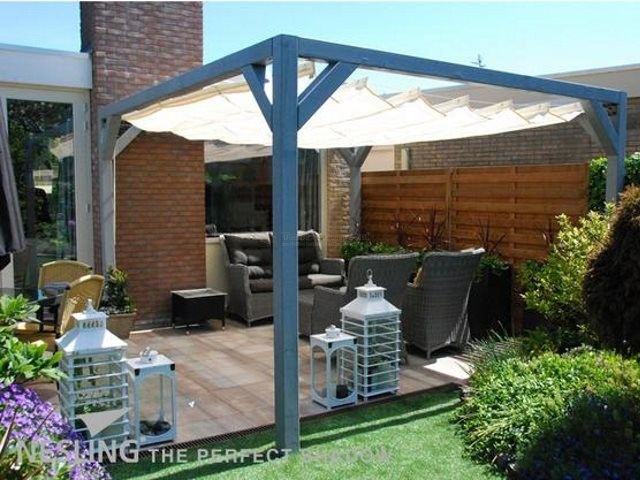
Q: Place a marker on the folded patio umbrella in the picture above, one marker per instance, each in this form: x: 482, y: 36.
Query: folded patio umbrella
x: 11, y: 232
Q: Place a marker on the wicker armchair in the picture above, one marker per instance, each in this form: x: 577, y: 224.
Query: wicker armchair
x: 434, y: 312
x: 322, y: 308
x: 74, y: 300
x: 62, y: 271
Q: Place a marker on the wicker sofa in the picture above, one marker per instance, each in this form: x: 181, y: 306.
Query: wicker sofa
x: 250, y: 261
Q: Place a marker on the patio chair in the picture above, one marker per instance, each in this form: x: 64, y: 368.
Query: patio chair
x: 54, y: 278
x: 320, y: 307
x: 434, y: 312
x: 60, y: 272
x: 74, y: 300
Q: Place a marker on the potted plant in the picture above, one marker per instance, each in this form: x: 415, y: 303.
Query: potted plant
x: 489, y: 306
x: 117, y: 303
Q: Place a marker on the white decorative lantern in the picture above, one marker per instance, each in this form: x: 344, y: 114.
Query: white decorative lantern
x: 333, y: 361
x: 376, y: 325
x: 94, y: 394
x: 153, y: 379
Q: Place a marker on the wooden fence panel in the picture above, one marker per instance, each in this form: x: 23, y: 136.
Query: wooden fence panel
x: 516, y: 205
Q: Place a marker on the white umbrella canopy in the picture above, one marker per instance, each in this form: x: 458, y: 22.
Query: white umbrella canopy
x: 353, y: 116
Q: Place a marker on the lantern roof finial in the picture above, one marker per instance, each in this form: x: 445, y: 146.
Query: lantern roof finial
x: 89, y: 309
x: 370, y: 278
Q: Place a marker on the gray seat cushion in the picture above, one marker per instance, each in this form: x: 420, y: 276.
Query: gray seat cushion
x: 257, y: 285
x: 319, y: 279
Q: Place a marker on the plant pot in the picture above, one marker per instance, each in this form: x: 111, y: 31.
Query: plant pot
x: 489, y: 306
x: 120, y: 324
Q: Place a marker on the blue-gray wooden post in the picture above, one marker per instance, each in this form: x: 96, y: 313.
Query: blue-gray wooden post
x: 615, y: 163
x: 285, y: 241
x: 355, y: 158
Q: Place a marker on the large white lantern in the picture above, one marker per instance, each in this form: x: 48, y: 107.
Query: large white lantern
x: 376, y: 325
x: 94, y: 394
x: 333, y: 368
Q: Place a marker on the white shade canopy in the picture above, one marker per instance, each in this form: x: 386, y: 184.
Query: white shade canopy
x: 354, y: 116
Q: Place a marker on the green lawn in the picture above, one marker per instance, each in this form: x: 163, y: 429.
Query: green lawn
x: 408, y: 438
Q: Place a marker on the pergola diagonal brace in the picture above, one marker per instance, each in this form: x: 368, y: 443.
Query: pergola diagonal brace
x: 601, y: 126
x: 321, y: 88
x: 255, y: 77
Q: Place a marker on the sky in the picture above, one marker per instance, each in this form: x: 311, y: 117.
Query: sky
x: 528, y: 38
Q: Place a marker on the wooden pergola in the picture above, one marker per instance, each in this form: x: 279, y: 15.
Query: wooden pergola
x: 286, y: 115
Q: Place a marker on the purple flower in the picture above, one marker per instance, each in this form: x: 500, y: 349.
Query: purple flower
x: 37, y: 423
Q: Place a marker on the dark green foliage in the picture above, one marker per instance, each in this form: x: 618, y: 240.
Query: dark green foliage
x: 598, y: 178
x: 353, y: 247
x: 612, y: 281
x: 598, y: 437
x: 492, y: 264
x: 513, y: 401
x: 116, y: 293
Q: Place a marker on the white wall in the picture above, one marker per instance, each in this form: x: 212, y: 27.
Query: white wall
x: 379, y: 159
x: 216, y: 267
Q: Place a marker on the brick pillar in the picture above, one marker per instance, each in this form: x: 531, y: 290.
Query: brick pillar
x: 337, y: 202
x: 135, y: 45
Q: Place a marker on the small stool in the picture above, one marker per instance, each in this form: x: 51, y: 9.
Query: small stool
x: 195, y: 307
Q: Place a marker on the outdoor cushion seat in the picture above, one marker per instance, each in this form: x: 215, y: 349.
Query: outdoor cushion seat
x: 317, y: 279
x: 304, y: 282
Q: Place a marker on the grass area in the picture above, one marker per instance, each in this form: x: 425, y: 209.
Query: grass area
x: 408, y: 438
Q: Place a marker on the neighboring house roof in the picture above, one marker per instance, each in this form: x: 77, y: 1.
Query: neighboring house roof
x: 622, y: 77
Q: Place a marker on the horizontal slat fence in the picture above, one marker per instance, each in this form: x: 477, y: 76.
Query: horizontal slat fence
x: 517, y: 204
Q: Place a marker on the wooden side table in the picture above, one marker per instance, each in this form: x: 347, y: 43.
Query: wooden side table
x: 195, y: 307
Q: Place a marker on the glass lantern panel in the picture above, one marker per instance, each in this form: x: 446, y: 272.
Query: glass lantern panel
x: 319, y: 377
x: 343, y: 370
x: 155, y: 402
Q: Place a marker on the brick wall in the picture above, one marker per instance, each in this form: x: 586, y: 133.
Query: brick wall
x: 337, y: 202
x: 567, y: 143
x: 160, y: 221
x: 135, y: 45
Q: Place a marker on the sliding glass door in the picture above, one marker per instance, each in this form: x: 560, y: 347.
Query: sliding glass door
x: 48, y: 140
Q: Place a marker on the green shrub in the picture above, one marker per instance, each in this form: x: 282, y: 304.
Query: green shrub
x: 554, y: 288
x: 116, y: 292
x: 612, y: 282
x: 598, y: 178
x: 513, y: 400
x: 16, y: 309
x: 492, y: 264
x: 23, y: 361
x: 353, y: 247
x: 596, y: 438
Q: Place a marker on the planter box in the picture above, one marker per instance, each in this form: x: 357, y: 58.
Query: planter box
x: 120, y: 324
x: 489, y: 305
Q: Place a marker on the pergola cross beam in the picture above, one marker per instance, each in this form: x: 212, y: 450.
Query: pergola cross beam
x: 285, y: 121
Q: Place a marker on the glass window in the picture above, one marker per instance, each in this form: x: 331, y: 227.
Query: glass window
x: 238, y: 194
x: 41, y: 144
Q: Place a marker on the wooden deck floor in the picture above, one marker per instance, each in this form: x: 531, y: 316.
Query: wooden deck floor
x: 225, y: 377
